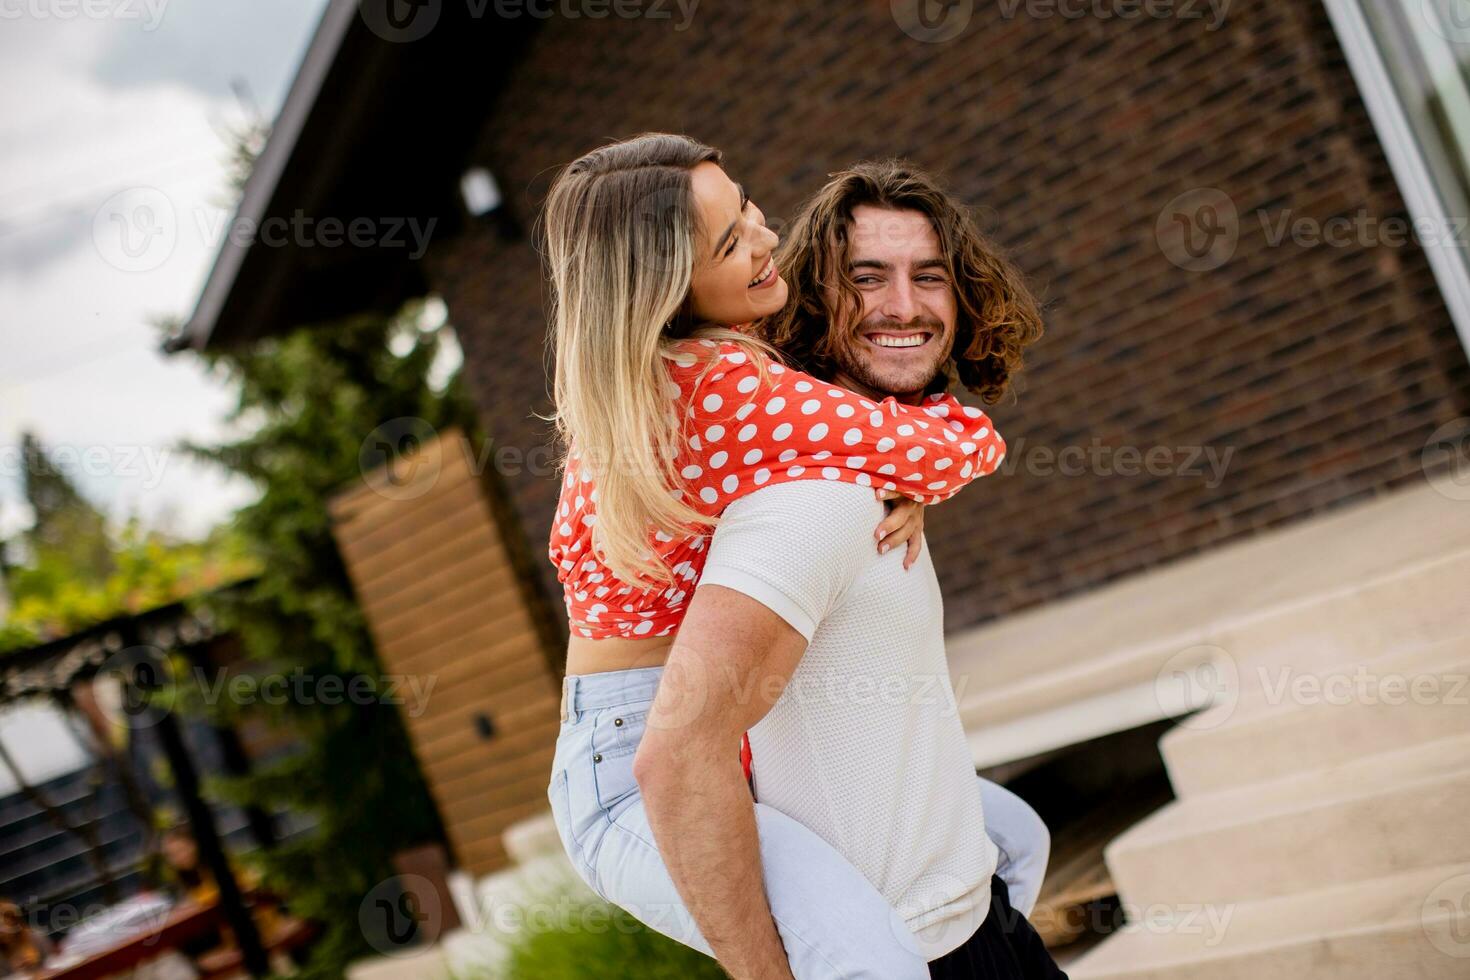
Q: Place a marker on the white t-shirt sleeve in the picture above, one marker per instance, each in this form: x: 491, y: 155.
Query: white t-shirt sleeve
x: 795, y: 547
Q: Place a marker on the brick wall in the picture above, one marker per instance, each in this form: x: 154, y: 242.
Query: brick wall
x: 1321, y: 370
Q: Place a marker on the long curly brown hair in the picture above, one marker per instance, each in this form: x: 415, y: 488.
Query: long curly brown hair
x: 997, y: 320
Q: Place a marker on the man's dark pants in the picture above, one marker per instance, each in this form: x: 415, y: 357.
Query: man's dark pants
x: 1005, y: 947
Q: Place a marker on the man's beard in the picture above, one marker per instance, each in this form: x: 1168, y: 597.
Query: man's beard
x: 854, y: 358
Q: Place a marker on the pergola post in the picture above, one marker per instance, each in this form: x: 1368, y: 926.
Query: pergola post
x: 206, y: 836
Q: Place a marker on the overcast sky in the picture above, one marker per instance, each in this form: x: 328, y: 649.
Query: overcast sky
x: 138, y: 102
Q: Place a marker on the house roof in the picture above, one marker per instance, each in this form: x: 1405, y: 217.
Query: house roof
x: 378, y: 125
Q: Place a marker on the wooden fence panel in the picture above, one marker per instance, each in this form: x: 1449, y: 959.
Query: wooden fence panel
x: 452, y: 618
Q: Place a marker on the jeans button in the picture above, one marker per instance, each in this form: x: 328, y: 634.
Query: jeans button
x: 597, y: 757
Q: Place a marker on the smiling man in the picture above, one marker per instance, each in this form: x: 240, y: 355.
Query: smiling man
x: 905, y: 329
x: 893, y: 293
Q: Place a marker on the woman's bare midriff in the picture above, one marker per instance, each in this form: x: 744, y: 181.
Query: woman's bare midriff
x: 586, y: 656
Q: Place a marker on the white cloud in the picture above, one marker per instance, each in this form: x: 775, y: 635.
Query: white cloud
x: 90, y: 108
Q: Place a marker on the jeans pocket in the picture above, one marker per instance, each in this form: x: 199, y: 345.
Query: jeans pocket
x: 627, y: 727
x: 615, y: 782
x: 616, y: 733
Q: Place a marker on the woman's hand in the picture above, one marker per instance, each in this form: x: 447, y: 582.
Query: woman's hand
x: 904, y: 523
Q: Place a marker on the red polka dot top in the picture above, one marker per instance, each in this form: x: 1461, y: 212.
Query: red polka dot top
x: 742, y: 434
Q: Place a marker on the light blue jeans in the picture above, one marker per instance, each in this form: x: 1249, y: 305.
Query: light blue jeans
x: 832, y: 920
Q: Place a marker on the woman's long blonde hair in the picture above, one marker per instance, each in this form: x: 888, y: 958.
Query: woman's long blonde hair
x: 620, y: 230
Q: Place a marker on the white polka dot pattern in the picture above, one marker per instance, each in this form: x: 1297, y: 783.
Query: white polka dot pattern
x: 742, y: 434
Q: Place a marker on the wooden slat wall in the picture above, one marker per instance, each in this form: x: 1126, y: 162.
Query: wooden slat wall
x: 438, y: 589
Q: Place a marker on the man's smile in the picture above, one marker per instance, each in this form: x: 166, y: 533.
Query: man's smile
x: 891, y: 339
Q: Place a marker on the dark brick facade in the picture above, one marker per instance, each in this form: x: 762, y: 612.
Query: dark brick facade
x: 1322, y: 369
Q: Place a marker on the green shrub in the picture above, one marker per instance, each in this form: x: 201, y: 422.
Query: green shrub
x: 598, y: 941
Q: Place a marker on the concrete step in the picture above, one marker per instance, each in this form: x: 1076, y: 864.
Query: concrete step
x: 1377, y: 815
x: 1301, y: 722
x: 1126, y: 654
x: 1414, y: 925
x: 1409, y: 607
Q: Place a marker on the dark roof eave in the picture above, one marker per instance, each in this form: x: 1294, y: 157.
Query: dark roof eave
x: 374, y: 127
x: 261, y: 185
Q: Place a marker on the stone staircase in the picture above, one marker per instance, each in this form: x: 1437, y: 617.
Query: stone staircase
x: 1322, y: 820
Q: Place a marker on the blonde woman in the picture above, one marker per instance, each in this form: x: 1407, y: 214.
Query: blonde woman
x: 669, y: 411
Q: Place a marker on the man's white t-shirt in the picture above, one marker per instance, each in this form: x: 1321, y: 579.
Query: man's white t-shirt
x: 865, y: 745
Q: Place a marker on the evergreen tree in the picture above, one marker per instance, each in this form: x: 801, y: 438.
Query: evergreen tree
x: 312, y: 399
x: 66, y: 527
